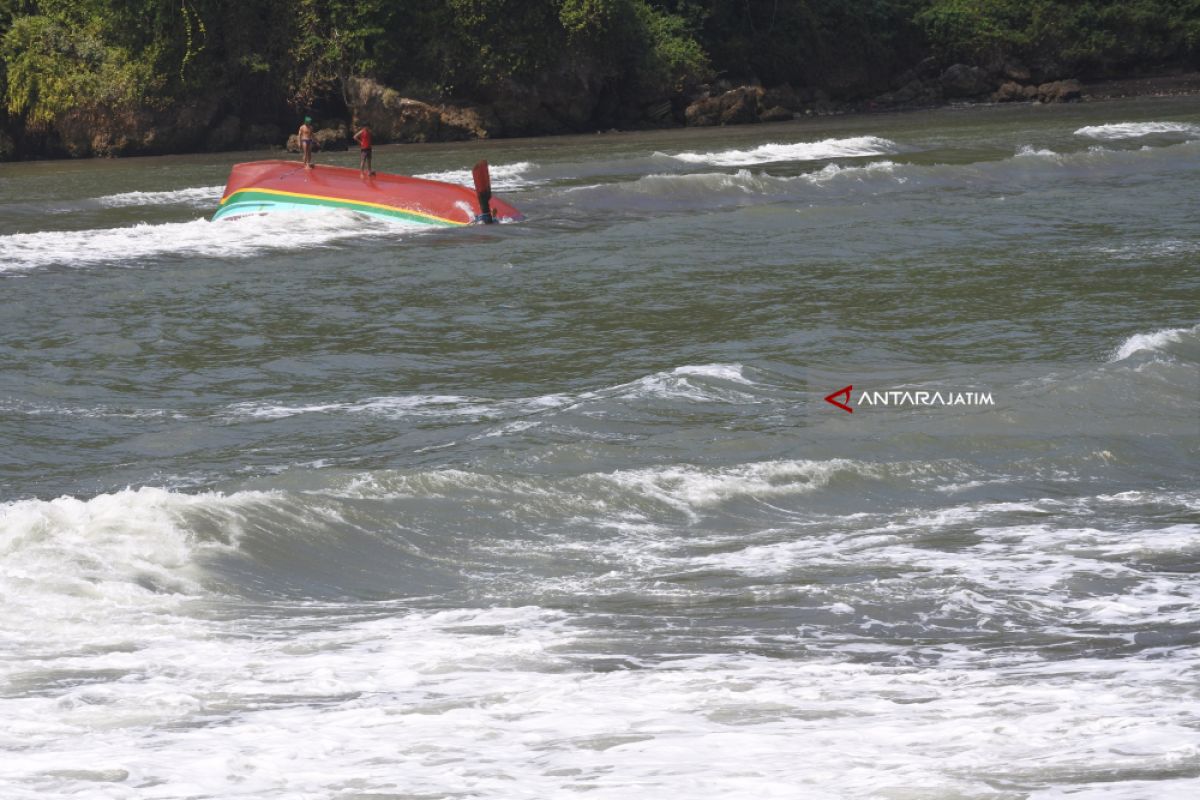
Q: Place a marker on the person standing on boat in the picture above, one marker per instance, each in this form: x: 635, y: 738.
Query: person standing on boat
x: 305, y: 135
x: 363, y: 137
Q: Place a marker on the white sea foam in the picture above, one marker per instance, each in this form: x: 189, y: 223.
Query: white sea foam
x: 797, y: 151
x: 415, y: 405
x: 691, y: 489
x: 734, y: 373
x: 1029, y: 151
x: 97, y: 412
x: 495, y: 703
x: 505, y: 177
x: 132, y: 538
x: 236, y: 238
x: 74, y: 573
x: 696, y: 383
x: 1136, y: 130
x: 1156, y: 342
x: 832, y: 171
x: 742, y: 181
x: 309, y: 699
x: 197, y: 196
x: 746, y: 182
x: 467, y: 408
x: 691, y: 383
x: 631, y: 495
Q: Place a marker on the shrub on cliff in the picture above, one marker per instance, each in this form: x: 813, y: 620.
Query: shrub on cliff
x: 57, y: 65
x: 646, y: 50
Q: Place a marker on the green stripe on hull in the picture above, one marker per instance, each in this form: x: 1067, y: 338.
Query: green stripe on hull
x: 251, y: 202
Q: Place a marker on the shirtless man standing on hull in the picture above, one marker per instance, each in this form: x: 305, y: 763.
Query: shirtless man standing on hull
x: 305, y: 135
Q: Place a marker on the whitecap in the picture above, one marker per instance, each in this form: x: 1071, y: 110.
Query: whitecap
x: 696, y: 383
x: 689, y: 489
x: 405, y: 406
x: 1136, y: 130
x: 1156, y: 342
x: 796, y: 151
x: 198, y: 196
x: 1029, y: 151
x: 698, y: 183
x: 66, y: 562
x: 830, y: 171
x: 505, y: 177
x: 235, y: 238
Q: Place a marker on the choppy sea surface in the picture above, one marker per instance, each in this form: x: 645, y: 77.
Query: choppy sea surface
x: 323, y: 506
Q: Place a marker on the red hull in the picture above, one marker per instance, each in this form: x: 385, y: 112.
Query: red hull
x: 266, y: 186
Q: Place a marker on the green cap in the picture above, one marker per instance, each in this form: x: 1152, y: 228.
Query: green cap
x: 308, y: 119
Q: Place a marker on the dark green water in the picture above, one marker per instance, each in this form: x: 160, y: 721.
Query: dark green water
x: 325, y: 506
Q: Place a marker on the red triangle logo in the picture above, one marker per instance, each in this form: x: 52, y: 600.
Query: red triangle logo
x: 845, y: 392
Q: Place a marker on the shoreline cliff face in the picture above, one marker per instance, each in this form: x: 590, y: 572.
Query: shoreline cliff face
x: 140, y: 77
x: 198, y: 127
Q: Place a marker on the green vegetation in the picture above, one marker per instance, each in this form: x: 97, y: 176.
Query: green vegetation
x: 60, y: 64
x: 265, y: 60
x: 1093, y: 37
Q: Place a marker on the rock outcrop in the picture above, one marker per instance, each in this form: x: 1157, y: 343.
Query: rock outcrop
x: 1060, y: 91
x: 965, y: 82
x: 336, y: 137
x: 327, y: 137
x: 106, y: 132
x: 1009, y: 92
x: 735, y: 107
x: 1053, y: 92
x: 395, y: 118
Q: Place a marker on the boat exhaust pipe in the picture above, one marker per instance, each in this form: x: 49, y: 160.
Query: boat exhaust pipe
x: 483, y: 190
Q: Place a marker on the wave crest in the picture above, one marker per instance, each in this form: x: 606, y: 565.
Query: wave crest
x: 505, y: 177
x: 700, y: 383
x: 117, y: 546
x: 851, y: 147
x: 1163, y: 341
x: 198, y: 196
x: 237, y: 238
x: 1136, y: 130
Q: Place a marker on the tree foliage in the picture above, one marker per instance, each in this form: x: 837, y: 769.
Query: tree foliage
x: 259, y: 58
x: 1093, y: 37
x: 59, y: 63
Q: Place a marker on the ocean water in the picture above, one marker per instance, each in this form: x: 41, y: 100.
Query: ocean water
x: 334, y: 507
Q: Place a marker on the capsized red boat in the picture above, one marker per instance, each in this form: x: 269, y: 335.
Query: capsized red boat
x: 267, y: 187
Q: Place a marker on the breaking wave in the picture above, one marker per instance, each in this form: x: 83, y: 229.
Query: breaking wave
x: 1136, y: 130
x: 1028, y: 151
x: 197, y: 196
x: 115, y: 548
x: 236, y: 238
x: 851, y: 147
x: 696, y: 383
x: 1027, y: 166
x: 505, y: 177
x: 1157, y: 342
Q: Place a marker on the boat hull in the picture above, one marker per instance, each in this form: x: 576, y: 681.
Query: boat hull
x: 266, y: 187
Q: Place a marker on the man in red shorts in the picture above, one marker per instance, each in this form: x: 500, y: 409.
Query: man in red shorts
x: 363, y: 137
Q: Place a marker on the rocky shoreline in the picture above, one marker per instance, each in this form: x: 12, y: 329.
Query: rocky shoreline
x: 521, y: 111
x: 397, y: 119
